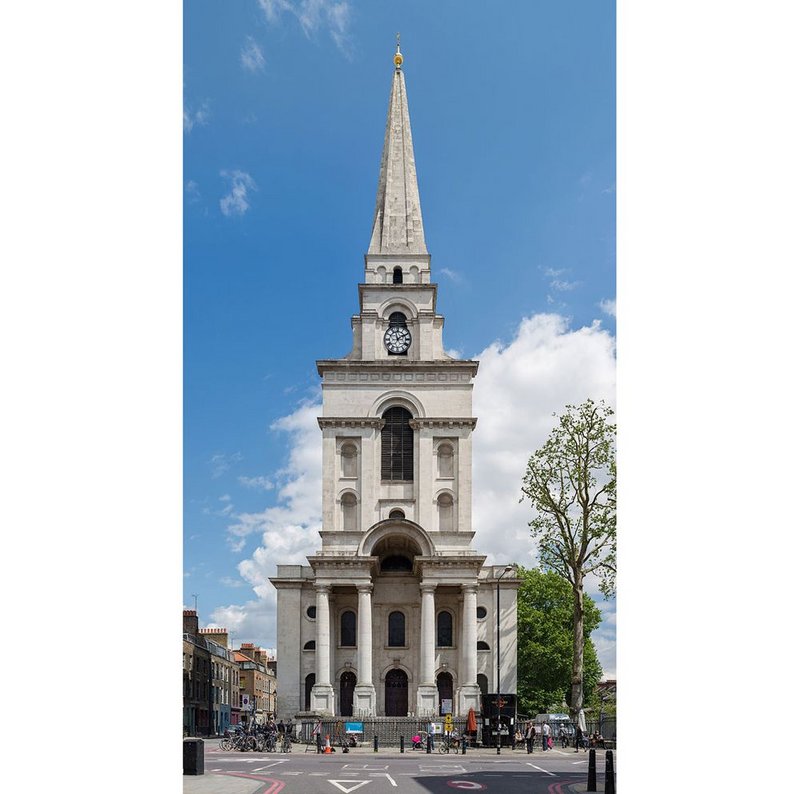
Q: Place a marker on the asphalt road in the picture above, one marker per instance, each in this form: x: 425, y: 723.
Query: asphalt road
x: 391, y: 773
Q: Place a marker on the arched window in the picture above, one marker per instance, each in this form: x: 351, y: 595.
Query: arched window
x: 348, y: 512
x: 483, y: 683
x: 397, y: 513
x: 481, y: 613
x: 348, y: 629
x: 483, y: 646
x: 444, y: 630
x: 444, y: 456
x: 397, y: 445
x: 445, y: 502
x: 349, y: 460
x: 381, y: 272
x: 311, y: 645
x: 397, y: 276
x: 312, y: 612
x: 311, y: 679
x: 397, y: 630
x: 413, y: 274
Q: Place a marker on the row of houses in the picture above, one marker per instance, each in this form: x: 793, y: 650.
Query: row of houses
x: 222, y: 686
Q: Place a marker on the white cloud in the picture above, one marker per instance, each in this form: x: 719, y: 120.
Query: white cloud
x: 314, y: 15
x: 220, y: 463
x: 453, y: 275
x: 609, y: 306
x: 563, y: 286
x: 259, y: 483
x: 235, y: 202
x: 520, y: 385
x: 251, y: 56
x: 192, y: 117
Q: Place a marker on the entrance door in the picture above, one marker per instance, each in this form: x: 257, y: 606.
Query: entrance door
x: 396, y: 694
x: 444, y: 683
x: 346, y: 685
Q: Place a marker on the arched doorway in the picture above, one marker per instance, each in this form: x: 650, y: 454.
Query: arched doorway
x: 396, y: 693
x: 311, y: 679
x: 444, y: 683
x: 347, y: 683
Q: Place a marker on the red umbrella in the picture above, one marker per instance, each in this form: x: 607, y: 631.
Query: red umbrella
x: 472, y: 723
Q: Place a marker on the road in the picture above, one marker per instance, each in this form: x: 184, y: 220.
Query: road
x: 391, y: 772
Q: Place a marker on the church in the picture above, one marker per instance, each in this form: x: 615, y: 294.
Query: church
x: 396, y: 613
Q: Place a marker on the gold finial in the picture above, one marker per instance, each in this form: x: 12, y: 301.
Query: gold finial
x: 398, y: 56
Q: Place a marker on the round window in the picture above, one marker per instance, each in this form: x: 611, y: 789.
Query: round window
x: 481, y: 613
x: 312, y: 613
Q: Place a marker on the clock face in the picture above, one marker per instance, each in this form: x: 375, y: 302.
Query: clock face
x: 397, y: 339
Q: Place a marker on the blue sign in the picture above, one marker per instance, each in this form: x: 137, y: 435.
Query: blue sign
x: 354, y: 727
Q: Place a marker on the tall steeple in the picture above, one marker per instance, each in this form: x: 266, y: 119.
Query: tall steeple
x: 397, y: 226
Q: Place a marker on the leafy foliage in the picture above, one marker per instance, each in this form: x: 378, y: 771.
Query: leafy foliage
x: 544, y: 636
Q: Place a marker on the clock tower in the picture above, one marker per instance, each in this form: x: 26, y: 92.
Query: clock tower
x: 392, y: 614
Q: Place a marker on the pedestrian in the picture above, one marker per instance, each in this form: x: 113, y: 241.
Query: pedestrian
x: 289, y: 728
x: 545, y: 735
x: 578, y: 738
x: 317, y: 732
x: 281, y: 727
x: 529, y: 737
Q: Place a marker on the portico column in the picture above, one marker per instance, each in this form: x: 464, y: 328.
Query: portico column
x: 427, y: 644
x: 469, y: 632
x: 364, y: 692
x: 322, y: 691
x: 469, y: 691
x: 426, y: 688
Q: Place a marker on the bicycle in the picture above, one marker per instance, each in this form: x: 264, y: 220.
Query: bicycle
x: 448, y: 743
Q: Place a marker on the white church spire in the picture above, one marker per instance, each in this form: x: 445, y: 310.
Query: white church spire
x: 397, y: 226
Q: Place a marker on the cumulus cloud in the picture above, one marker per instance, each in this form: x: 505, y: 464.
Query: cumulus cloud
x: 251, y: 57
x: 235, y: 202
x: 453, y: 275
x: 609, y: 306
x: 259, y: 483
x: 520, y: 386
x: 315, y: 15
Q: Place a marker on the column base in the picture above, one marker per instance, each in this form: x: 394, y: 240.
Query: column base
x: 468, y: 696
x: 427, y: 695
x: 322, y: 699
x: 364, y: 700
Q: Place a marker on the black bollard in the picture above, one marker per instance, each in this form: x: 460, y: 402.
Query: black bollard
x: 591, y: 783
x: 610, y: 785
x: 375, y: 743
x: 402, y: 745
x: 463, y: 744
x: 193, y: 757
x: 429, y: 744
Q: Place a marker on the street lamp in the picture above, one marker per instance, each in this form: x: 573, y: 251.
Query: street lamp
x: 506, y: 570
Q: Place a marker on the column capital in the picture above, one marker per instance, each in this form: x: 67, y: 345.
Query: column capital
x: 322, y: 588
x: 427, y: 587
x: 364, y: 587
x: 470, y: 587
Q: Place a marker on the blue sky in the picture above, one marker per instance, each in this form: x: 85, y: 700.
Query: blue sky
x: 513, y: 116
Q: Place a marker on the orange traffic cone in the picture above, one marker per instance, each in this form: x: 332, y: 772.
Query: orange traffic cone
x: 327, y: 743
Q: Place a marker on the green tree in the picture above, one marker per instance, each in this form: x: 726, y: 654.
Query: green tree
x: 571, y: 482
x: 544, y: 641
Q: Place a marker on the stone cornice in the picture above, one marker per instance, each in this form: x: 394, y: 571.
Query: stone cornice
x: 443, y: 421
x: 396, y: 365
x: 350, y: 421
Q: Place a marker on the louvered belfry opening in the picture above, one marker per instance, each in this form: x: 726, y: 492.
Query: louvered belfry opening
x: 397, y: 445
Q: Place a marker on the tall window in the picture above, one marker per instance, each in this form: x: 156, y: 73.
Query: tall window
x: 445, y: 502
x: 445, y: 458
x: 348, y: 629
x: 348, y: 512
x: 397, y: 630
x: 397, y: 445
x: 397, y: 276
x: 444, y: 630
x: 349, y: 460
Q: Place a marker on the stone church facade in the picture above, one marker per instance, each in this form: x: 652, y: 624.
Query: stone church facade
x: 395, y: 614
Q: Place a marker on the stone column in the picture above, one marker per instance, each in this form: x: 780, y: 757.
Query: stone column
x: 426, y: 689
x: 322, y: 692
x: 364, y: 693
x: 469, y: 691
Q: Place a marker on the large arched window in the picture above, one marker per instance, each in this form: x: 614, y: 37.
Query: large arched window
x: 397, y: 630
x: 444, y: 630
x: 348, y: 512
x: 397, y: 445
x: 348, y: 629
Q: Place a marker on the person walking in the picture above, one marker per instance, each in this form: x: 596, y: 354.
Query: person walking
x: 578, y: 737
x: 545, y: 735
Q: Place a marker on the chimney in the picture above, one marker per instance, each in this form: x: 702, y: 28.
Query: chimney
x: 190, y: 624
x: 220, y: 636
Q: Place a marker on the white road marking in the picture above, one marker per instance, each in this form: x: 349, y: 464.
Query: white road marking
x: 443, y: 768
x: 358, y: 784
x: 366, y: 767
x: 274, y: 763
x: 552, y: 774
x: 388, y: 776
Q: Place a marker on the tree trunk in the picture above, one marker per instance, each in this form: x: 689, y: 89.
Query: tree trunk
x: 577, y: 649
